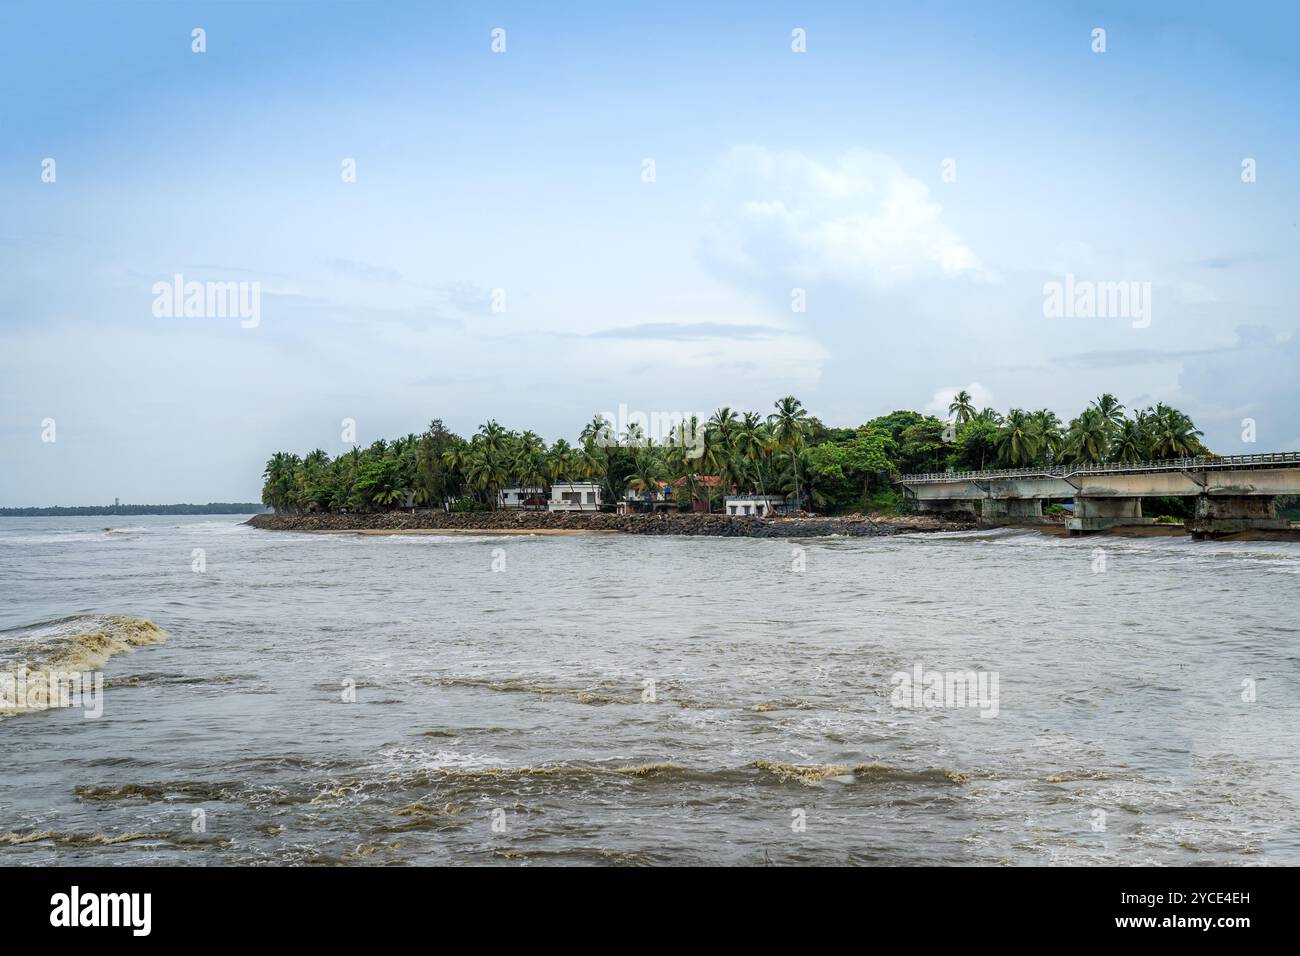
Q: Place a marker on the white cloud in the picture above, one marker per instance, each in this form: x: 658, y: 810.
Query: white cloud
x: 1254, y: 378
x: 728, y: 364
x: 981, y: 397
x: 861, y: 219
x: 1193, y: 293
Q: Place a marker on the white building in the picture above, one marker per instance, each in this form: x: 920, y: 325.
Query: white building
x: 755, y: 505
x: 634, y: 500
x: 515, y: 497
x: 574, y: 496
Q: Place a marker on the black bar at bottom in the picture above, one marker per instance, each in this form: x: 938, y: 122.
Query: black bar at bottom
x: 211, y: 905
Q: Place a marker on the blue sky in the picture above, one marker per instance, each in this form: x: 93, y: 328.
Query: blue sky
x: 522, y: 171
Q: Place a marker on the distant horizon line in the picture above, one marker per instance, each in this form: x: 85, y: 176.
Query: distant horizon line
x: 211, y: 507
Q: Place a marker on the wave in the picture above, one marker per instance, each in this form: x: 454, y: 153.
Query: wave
x: 666, y: 691
x: 152, y: 792
x: 79, y: 644
x: 578, y: 772
x: 160, y: 679
x: 65, y: 839
x: 72, y: 536
x: 597, y: 854
x: 424, y: 816
x: 437, y: 791
x: 974, y: 534
x: 442, y: 798
x: 74, y: 839
x: 526, y: 687
x: 1073, y: 776
x: 449, y: 537
x: 809, y: 775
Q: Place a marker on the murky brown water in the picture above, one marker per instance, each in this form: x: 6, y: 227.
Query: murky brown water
x: 503, y: 716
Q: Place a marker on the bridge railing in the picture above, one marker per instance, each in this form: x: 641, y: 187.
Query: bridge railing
x: 1211, y: 462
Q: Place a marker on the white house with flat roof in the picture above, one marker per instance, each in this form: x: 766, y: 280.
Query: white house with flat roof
x: 574, y: 496
x: 753, y: 505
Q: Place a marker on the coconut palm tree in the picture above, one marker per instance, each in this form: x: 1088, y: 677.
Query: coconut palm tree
x: 1088, y: 439
x: 493, y: 436
x: 753, y: 443
x: 598, y: 431
x: 1173, y: 435
x: 1130, y: 442
x: 1047, y: 430
x: 485, y: 474
x: 380, y: 483
x: 647, y: 476
x: 1017, y: 441
x: 454, y: 458
x: 789, y: 424
x: 318, y: 481
x: 531, y: 441
x: 724, y: 424
x: 723, y: 461
x: 1111, y: 411
x: 531, y: 469
x: 962, y: 408
x: 559, y: 461
x: 634, y: 436
x: 688, y: 446
x: 285, y: 487
x: 587, y: 464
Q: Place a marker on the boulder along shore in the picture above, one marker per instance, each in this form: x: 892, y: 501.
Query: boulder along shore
x: 549, y: 522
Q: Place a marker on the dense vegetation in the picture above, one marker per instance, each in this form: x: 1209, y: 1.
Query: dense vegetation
x: 1101, y: 433
x: 787, y: 452
x: 211, y: 508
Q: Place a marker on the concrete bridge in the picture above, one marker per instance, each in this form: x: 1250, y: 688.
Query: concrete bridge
x: 1233, y: 493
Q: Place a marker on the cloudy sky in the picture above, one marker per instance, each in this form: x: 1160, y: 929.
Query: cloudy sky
x: 618, y: 210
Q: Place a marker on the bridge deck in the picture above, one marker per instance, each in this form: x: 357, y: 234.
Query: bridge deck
x: 1283, y: 459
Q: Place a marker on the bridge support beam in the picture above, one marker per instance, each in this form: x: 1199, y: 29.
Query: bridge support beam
x: 1001, y: 511
x: 942, y: 505
x: 1229, y: 514
x: 1098, y: 514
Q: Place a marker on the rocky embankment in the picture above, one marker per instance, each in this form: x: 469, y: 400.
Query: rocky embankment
x: 542, y: 522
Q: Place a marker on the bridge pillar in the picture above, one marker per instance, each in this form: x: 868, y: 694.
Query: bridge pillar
x: 1000, y: 511
x: 1098, y: 514
x: 1228, y: 514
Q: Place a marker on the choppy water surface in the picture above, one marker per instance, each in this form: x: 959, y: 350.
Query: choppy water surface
x: 515, y: 697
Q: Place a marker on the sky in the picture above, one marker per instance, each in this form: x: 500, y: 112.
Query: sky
x: 660, y: 207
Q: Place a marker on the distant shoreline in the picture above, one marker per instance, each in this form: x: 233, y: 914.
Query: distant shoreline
x: 562, y: 524
x: 569, y: 523
x: 127, y: 511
